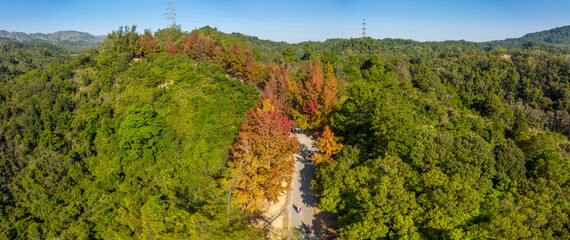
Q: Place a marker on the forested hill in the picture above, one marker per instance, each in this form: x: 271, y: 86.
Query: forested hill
x: 555, y: 41
x: 559, y: 37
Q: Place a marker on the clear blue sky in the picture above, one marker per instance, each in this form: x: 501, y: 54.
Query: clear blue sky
x: 294, y: 20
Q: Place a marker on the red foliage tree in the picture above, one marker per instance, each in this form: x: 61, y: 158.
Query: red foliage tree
x: 278, y: 88
x: 199, y: 48
x: 145, y: 45
x: 171, y: 47
x: 310, y: 108
x: 262, y: 156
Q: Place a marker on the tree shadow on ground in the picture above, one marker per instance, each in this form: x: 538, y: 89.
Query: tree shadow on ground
x: 307, y: 174
x: 324, y: 225
x: 307, y: 232
x: 304, y: 154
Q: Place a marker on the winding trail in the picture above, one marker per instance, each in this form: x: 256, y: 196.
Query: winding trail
x: 301, y: 189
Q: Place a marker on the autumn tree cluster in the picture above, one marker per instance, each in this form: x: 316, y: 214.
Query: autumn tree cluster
x: 146, y: 44
x: 200, y: 48
x: 278, y: 88
x: 236, y: 60
x: 263, y: 162
x: 262, y: 156
x: 316, y: 95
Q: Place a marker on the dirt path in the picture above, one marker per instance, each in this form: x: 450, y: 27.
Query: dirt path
x: 302, y: 191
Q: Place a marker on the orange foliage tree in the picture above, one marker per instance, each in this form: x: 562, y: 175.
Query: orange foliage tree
x: 233, y: 60
x: 262, y: 156
x: 145, y: 45
x: 254, y: 71
x: 327, y: 147
x: 327, y: 99
x: 313, y: 84
x: 239, y: 62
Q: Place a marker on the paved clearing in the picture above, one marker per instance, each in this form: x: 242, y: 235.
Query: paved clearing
x: 302, y: 191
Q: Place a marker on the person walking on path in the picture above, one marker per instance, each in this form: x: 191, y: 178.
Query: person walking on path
x: 299, y: 210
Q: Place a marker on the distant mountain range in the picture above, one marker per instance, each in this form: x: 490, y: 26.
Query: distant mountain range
x: 70, y: 40
x: 55, y: 37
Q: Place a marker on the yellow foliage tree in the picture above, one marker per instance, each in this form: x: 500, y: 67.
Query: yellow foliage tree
x: 327, y: 147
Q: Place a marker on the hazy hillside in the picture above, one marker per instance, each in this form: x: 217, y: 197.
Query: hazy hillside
x: 71, y: 40
x: 53, y: 37
x: 556, y: 37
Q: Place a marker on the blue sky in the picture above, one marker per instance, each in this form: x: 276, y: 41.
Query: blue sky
x: 294, y: 20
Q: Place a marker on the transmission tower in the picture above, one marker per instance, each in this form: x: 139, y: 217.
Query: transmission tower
x: 170, y: 16
x: 364, y: 28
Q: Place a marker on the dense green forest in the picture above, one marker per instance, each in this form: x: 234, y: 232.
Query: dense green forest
x: 180, y: 135
x: 460, y: 150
